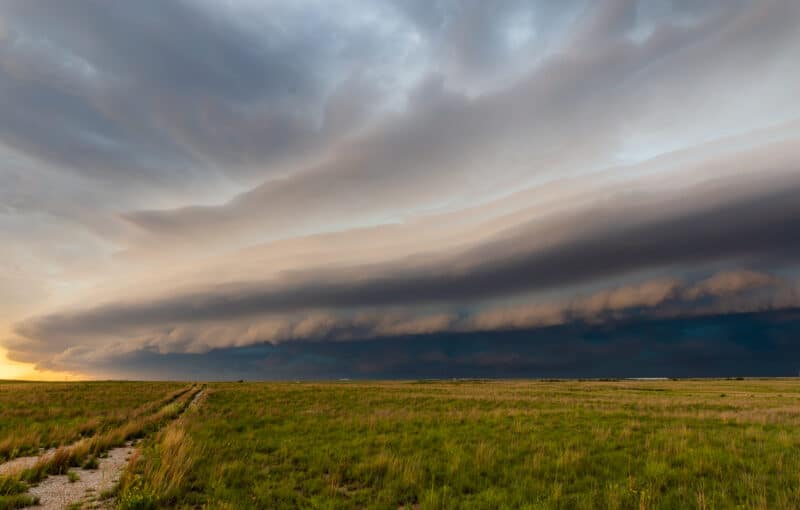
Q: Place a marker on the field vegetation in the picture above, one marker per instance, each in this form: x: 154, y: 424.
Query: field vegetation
x: 474, y: 445
x: 116, y: 431
x: 440, y: 444
x: 45, y: 415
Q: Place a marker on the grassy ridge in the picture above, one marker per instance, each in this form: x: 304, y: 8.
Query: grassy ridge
x: 43, y: 415
x: 522, y: 444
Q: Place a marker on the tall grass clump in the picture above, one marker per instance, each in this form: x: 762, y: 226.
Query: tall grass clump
x: 160, y: 476
x: 84, y: 450
x: 48, y: 415
x: 17, y: 501
x: 12, y: 494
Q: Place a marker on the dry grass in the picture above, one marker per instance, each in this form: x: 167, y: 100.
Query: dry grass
x: 85, y: 451
x: 43, y: 415
x: 76, y: 454
x: 161, y: 475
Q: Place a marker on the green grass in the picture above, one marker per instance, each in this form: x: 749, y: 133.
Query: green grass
x: 492, y: 445
x: 83, y: 451
x: 17, y: 501
x: 42, y: 415
x: 140, y: 422
x: 12, y: 494
x: 91, y: 463
x: 466, y: 444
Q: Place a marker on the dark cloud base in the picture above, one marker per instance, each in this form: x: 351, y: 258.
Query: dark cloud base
x: 756, y: 344
x: 763, y: 233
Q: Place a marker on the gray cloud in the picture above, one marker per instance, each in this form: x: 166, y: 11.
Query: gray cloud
x: 476, y: 41
x: 174, y: 92
x: 175, y: 105
x: 196, y: 175
x: 655, y: 299
x: 572, y: 110
x: 619, y: 244
x: 715, y: 346
x: 612, y: 243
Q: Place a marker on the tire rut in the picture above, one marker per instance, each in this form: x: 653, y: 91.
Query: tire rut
x: 84, y: 487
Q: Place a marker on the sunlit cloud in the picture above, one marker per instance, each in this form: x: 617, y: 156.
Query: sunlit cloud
x: 260, y: 175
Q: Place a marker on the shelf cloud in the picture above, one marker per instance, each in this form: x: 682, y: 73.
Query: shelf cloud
x: 185, y: 179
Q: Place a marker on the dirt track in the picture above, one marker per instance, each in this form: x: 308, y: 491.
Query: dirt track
x: 57, y: 492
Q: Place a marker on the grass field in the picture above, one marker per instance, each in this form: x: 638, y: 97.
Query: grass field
x: 34, y: 415
x: 110, y: 430
x: 521, y: 444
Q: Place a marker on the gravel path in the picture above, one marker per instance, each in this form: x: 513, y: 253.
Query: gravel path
x: 14, y: 466
x: 193, y: 403
x: 56, y: 492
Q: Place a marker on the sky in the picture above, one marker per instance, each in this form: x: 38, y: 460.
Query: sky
x: 308, y: 189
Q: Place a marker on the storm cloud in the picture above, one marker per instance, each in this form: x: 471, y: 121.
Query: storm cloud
x: 186, y: 177
x: 179, y: 88
x: 560, y: 118
x: 752, y: 344
x: 616, y: 243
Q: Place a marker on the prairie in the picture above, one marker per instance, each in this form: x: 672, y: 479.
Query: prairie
x: 44, y: 415
x: 20, y: 478
x: 478, y: 444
